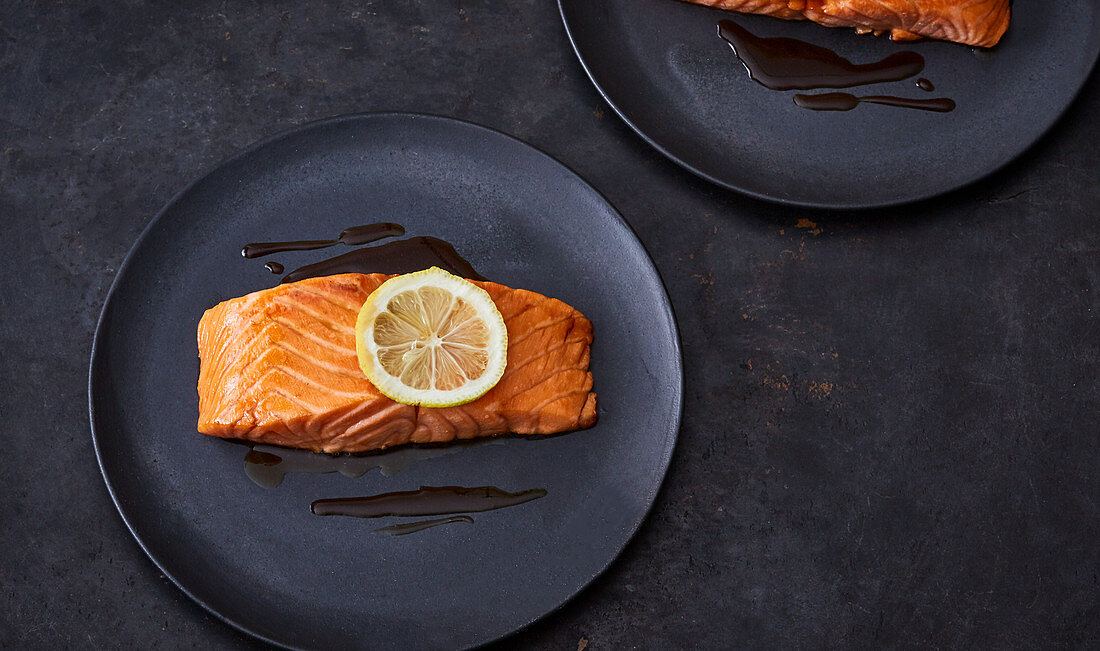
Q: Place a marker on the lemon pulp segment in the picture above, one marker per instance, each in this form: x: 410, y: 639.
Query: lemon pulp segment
x: 431, y: 338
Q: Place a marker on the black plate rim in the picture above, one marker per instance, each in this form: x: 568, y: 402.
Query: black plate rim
x: 677, y: 349
x: 816, y: 205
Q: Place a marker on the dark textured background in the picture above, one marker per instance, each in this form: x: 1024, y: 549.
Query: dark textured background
x: 891, y: 425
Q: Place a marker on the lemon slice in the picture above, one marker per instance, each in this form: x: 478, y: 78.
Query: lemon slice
x: 431, y: 338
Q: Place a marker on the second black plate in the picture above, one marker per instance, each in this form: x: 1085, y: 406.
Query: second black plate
x: 662, y: 67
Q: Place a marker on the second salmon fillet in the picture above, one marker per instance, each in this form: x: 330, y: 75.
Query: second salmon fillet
x: 972, y: 22
x: 278, y: 366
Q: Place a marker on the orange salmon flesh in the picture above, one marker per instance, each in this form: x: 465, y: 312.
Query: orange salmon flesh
x: 279, y: 366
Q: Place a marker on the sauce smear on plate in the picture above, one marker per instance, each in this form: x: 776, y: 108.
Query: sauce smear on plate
x: 428, y: 500
x: 400, y: 257
x: 791, y: 64
x: 350, y: 236
x: 406, y: 528
x: 848, y: 101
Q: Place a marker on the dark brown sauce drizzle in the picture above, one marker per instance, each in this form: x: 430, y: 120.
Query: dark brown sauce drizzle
x: 406, y: 528
x: 791, y: 64
x: 267, y: 465
x: 261, y: 458
x: 847, y: 102
x: 350, y: 236
x: 443, y: 500
x: 403, y: 256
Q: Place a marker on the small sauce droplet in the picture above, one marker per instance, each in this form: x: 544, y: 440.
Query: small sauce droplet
x: 274, y: 267
x: 925, y: 84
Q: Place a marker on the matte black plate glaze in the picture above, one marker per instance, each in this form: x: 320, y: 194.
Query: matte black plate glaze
x: 258, y: 558
x: 662, y: 67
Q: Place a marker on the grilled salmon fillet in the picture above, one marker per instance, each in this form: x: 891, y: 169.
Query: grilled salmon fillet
x: 972, y: 22
x: 279, y: 366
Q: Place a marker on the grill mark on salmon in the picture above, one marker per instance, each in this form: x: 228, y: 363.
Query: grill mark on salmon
x: 324, y: 297
x: 279, y: 366
x: 295, y: 305
x: 535, y: 330
x: 553, y: 399
x: 320, y: 341
x: 546, y: 352
x: 328, y: 367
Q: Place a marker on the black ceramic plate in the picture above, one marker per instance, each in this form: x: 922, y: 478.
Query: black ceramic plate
x: 257, y: 557
x: 662, y: 67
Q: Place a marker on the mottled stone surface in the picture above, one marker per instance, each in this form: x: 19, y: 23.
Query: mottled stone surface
x: 891, y: 424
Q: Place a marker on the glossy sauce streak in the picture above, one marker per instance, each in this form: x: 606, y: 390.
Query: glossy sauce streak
x: 350, y: 236
x: 403, y: 256
x: 268, y: 465
x: 274, y: 267
x: 847, y: 102
x: 413, y: 527
x: 443, y: 500
x: 791, y: 64
x: 926, y: 85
